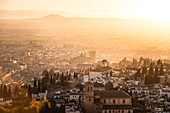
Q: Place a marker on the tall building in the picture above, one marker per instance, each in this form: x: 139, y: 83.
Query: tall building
x: 92, y: 55
x: 107, y: 101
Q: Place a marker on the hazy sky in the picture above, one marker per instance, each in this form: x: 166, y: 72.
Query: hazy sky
x: 126, y: 8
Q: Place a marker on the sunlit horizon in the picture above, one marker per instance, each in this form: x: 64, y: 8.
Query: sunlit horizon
x: 130, y: 9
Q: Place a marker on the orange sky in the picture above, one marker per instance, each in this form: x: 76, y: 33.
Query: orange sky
x: 153, y: 9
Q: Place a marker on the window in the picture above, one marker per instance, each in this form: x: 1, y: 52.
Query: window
x: 88, y: 88
x: 91, y: 88
x: 89, y: 99
x: 109, y: 111
x: 118, y: 111
x: 123, y: 101
x: 104, y: 101
x: 129, y: 111
x: 105, y: 111
x: 113, y: 101
x: 122, y: 111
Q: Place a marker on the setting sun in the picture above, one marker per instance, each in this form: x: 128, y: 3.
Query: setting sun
x: 153, y: 9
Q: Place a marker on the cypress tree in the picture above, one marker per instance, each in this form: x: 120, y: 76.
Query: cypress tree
x: 148, y: 79
x: 29, y: 92
x: 156, y: 79
x: 44, y: 72
x: 43, y: 88
x: 1, y: 91
x: 9, y: 92
x: 138, y: 74
x: 5, y: 94
x: 159, y: 62
x: 144, y: 70
x: 35, y: 82
x: 57, y: 75
x: 69, y: 76
x: 161, y: 70
x: 47, y: 78
x: 111, y: 74
x: 151, y: 70
x: 62, y: 79
x: 39, y: 85
x: 16, y: 89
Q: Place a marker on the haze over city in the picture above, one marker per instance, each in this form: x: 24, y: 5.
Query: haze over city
x: 84, y: 56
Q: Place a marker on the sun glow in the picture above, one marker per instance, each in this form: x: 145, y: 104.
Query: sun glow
x: 153, y: 9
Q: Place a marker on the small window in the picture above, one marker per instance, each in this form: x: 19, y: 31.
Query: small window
x: 118, y: 111
x: 104, y: 101
x: 105, y: 111
x: 91, y: 88
x: 123, y: 101
x: 129, y: 111
x: 89, y: 99
x: 113, y: 101
x: 109, y: 111
x: 88, y: 88
x: 122, y: 111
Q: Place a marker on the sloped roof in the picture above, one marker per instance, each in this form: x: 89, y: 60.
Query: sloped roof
x: 112, y: 94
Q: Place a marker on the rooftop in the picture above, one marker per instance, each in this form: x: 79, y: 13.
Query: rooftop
x: 112, y: 94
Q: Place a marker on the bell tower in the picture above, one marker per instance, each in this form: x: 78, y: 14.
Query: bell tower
x: 89, y: 93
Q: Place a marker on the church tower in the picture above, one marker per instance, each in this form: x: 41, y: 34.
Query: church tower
x: 89, y: 93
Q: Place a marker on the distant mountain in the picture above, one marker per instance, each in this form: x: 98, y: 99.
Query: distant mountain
x: 93, y: 26
x: 22, y: 14
x: 52, y: 17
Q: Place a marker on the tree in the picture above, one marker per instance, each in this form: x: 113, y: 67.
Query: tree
x: 1, y: 91
x: 29, y: 92
x: 62, y: 79
x: 137, y: 74
x: 51, y: 80
x: 148, y: 79
x: 134, y: 62
x: 80, y: 86
x: 151, y: 70
x: 35, y: 82
x: 109, y: 85
x: 156, y: 79
x: 159, y: 62
x: 46, y: 79
x: 111, y: 74
x: 9, y: 92
x: 16, y: 90
x: 51, y: 72
x: 69, y: 76
x: 43, y: 88
x: 144, y: 70
x: 39, y: 85
x: 58, y: 75
x: 5, y: 94
x: 45, y: 108
x: 161, y: 70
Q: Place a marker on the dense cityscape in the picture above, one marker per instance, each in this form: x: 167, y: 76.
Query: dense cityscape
x: 75, y: 80
x: 84, y: 56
